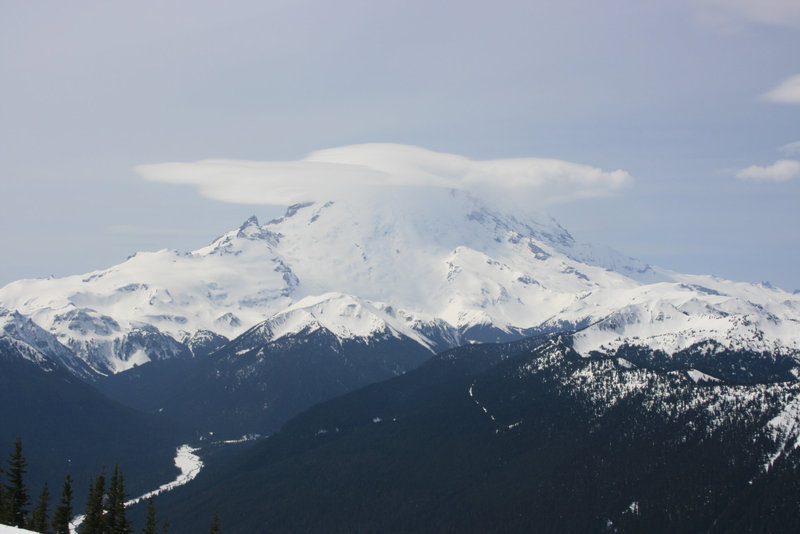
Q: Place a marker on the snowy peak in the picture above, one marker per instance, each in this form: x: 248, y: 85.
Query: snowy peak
x: 345, y: 316
x: 252, y: 222
x: 203, y: 342
x: 253, y: 231
x: 415, y: 252
x: 674, y: 317
x: 250, y: 238
x: 37, y: 345
x: 442, y: 267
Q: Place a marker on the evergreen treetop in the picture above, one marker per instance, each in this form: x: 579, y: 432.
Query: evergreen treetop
x: 63, y: 512
x: 5, y: 510
x: 94, y: 518
x: 16, y: 494
x: 39, y: 520
x: 214, y: 529
x: 150, y: 519
x: 116, y: 520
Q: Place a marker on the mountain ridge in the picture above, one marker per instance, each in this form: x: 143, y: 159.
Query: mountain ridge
x: 523, y: 436
x: 444, y: 269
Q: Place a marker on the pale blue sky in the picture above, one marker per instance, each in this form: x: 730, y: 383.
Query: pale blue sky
x: 676, y: 93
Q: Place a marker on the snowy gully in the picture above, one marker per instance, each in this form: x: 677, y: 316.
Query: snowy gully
x: 189, y: 464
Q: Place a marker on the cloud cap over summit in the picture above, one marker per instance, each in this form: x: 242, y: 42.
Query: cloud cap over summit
x: 334, y: 172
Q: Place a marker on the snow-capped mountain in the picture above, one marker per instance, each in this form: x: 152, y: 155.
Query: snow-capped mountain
x: 671, y: 317
x: 437, y: 266
x: 319, y: 348
x: 36, y: 345
x: 344, y: 316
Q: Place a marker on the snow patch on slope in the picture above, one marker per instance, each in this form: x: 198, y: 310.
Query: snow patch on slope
x: 784, y: 429
x: 672, y: 317
x: 700, y: 377
x: 7, y: 529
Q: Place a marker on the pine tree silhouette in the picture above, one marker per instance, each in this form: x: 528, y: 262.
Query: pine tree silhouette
x: 63, y: 513
x: 115, y: 518
x: 39, y: 521
x: 94, y: 519
x: 214, y: 524
x: 16, y: 494
x: 150, y: 519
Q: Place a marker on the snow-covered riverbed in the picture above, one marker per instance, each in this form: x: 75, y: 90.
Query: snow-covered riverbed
x: 189, y: 464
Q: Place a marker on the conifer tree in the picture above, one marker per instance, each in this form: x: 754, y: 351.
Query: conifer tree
x: 115, y: 518
x: 94, y: 520
x: 16, y: 494
x: 165, y: 528
x: 214, y: 524
x: 63, y: 513
x: 4, y: 509
x: 150, y: 518
x: 39, y: 521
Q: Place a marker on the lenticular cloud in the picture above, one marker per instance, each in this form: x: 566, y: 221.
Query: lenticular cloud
x: 337, y: 172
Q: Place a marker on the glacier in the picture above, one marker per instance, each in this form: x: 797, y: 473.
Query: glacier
x: 438, y: 266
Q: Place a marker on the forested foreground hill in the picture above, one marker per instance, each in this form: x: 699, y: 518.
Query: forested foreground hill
x: 524, y: 437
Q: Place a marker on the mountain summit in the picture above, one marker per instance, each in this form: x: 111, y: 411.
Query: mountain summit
x: 436, y: 265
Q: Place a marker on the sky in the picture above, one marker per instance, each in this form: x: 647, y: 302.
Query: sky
x: 669, y: 130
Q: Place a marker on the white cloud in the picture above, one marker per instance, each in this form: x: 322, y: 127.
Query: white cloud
x: 787, y: 92
x: 780, y: 171
x: 327, y: 174
x: 790, y: 148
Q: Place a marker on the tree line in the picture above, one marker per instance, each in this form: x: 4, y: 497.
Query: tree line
x: 104, y: 512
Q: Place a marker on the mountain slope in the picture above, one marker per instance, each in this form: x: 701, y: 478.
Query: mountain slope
x: 276, y: 369
x: 67, y: 425
x: 520, y: 438
x: 35, y: 342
